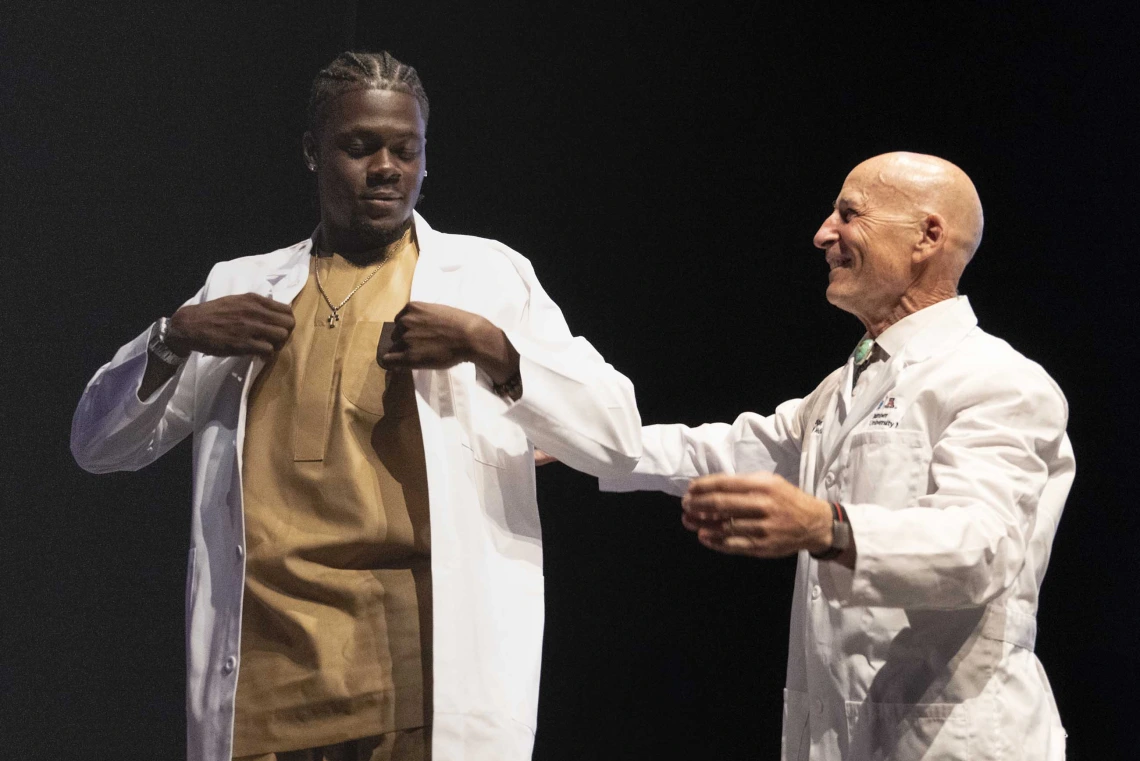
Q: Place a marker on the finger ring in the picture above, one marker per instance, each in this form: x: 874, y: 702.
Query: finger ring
x: 732, y: 525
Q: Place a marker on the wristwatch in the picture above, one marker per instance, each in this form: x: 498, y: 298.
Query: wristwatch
x: 511, y: 388
x: 156, y: 345
x: 840, y: 534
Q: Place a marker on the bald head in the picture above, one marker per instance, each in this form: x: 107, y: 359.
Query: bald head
x: 904, y: 227
x: 927, y: 185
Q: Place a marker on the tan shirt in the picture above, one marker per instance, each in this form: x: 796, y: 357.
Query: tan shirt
x: 336, y: 619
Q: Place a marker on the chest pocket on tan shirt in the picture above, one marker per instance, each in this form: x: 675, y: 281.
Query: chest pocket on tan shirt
x: 367, y: 385
x: 888, y: 467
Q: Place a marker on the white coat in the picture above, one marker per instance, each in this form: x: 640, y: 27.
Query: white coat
x: 486, y: 541
x: 954, y: 466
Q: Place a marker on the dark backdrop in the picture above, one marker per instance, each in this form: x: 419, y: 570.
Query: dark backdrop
x: 664, y: 165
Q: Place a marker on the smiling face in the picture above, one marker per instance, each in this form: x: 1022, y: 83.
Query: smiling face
x: 869, y: 240
x: 369, y: 155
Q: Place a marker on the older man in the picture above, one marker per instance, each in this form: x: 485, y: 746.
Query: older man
x: 921, y: 484
x: 365, y: 570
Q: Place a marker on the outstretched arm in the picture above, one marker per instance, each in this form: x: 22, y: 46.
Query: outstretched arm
x: 1002, y: 468
x: 675, y: 454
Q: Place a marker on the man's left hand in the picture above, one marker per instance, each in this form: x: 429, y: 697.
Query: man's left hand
x: 435, y: 336
x: 759, y: 514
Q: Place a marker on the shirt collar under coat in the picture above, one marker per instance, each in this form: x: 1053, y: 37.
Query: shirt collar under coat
x: 287, y: 278
x: 919, y: 336
x: 937, y: 329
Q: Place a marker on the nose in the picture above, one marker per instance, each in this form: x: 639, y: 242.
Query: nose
x: 381, y: 167
x: 826, y: 234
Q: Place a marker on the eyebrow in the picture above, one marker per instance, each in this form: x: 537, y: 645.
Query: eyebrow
x: 369, y: 131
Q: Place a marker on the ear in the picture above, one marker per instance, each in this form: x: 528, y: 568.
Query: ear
x: 932, y: 228
x: 309, y: 150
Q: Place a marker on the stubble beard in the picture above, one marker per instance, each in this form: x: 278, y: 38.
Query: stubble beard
x: 373, y: 236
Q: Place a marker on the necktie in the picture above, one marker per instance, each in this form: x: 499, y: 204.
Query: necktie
x: 862, y: 356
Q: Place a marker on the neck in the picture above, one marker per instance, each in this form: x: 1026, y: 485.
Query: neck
x: 907, y: 305
x: 361, y: 247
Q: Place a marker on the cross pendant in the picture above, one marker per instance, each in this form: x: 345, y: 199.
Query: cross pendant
x: 334, y: 318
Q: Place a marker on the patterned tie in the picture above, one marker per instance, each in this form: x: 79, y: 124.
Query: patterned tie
x: 863, y: 353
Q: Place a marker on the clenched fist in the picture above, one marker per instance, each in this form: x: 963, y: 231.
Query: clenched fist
x: 231, y: 326
x: 436, y: 336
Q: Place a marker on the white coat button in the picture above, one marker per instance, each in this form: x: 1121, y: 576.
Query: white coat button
x: 229, y: 665
x: 829, y: 479
x: 817, y: 706
x: 240, y: 551
x: 815, y: 592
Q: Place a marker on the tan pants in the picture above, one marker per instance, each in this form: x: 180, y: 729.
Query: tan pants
x: 404, y: 745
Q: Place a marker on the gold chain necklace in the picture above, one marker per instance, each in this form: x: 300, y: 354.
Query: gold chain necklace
x: 334, y: 318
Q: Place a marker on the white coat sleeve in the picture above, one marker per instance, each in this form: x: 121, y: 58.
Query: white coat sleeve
x: 574, y: 406
x: 672, y: 455
x: 962, y: 545
x: 113, y: 429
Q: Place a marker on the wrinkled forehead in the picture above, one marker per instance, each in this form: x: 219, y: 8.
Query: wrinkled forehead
x: 876, y: 183
x: 850, y: 195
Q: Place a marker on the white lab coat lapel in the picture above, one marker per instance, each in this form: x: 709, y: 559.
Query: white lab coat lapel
x: 431, y: 284
x: 441, y: 430
x: 282, y: 284
x: 936, y: 338
x: 858, y: 407
x: 837, y: 413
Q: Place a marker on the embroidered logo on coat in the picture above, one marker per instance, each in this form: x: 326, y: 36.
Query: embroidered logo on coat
x: 886, y: 414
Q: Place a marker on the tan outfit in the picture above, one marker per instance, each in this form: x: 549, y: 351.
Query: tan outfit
x: 336, y: 619
x: 405, y: 745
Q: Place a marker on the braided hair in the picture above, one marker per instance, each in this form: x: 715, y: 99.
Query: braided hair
x: 362, y: 71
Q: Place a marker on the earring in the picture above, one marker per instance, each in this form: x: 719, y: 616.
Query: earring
x: 312, y: 167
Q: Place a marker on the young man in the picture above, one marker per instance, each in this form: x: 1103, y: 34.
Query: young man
x: 365, y: 572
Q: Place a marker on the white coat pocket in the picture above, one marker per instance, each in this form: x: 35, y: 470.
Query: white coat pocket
x: 898, y: 731
x: 490, y: 437
x: 888, y: 467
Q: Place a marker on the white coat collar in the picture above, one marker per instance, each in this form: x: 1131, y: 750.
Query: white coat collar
x: 434, y: 252
x: 930, y: 331
x: 934, y: 333
x: 288, y: 275
x: 922, y: 334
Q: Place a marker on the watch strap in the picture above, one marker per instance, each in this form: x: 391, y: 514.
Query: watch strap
x: 157, y: 346
x: 840, y: 534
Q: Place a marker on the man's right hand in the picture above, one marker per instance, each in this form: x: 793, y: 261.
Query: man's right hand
x: 231, y: 326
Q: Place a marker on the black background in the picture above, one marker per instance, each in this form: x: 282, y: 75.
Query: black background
x: 665, y: 167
